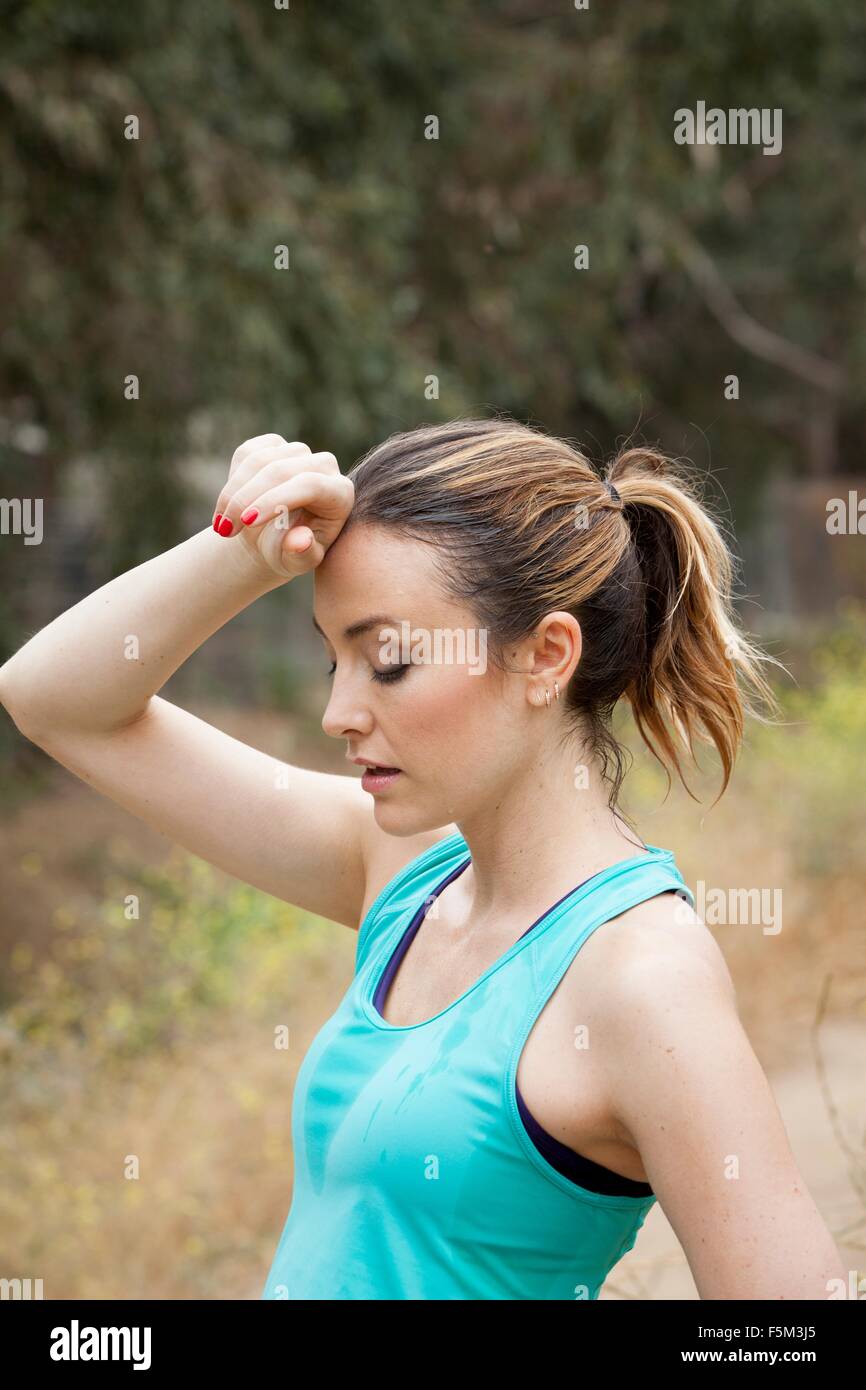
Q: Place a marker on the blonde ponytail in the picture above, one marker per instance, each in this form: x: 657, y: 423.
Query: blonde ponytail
x: 702, y: 677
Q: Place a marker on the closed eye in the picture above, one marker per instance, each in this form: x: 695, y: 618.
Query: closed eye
x: 392, y: 673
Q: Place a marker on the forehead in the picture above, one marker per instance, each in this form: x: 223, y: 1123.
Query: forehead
x: 369, y: 567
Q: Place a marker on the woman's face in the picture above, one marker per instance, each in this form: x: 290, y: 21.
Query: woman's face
x: 431, y: 704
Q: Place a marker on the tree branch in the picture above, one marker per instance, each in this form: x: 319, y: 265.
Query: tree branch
x: 737, y: 323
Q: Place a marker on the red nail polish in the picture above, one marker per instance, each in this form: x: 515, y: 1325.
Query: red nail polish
x: 225, y: 527
x: 216, y: 521
x: 249, y: 516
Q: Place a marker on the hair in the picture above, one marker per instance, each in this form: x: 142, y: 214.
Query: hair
x: 521, y: 524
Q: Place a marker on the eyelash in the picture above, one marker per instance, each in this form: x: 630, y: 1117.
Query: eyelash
x: 383, y: 677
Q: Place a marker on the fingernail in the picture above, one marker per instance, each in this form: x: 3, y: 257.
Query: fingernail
x: 216, y: 521
x: 226, y: 526
x: 249, y: 516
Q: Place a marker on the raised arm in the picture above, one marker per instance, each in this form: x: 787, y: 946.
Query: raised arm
x: 85, y: 687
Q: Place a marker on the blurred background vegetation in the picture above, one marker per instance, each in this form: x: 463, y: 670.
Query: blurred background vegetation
x: 427, y: 278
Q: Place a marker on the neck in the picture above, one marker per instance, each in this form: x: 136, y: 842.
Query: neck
x: 541, y: 833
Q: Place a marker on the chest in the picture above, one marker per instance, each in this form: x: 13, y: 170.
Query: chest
x: 560, y: 1072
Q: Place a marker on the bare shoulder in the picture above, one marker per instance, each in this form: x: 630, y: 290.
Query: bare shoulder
x: 653, y: 952
x: 386, y: 855
x: 655, y: 981
x: 660, y: 992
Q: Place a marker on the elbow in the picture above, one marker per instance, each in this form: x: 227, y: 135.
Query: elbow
x: 21, y: 722
x: 15, y: 702
x: 40, y: 719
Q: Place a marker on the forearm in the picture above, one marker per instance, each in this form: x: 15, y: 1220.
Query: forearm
x: 96, y: 666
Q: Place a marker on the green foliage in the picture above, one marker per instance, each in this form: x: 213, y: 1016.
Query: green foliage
x: 808, y: 772
x: 305, y: 127
x: 124, y: 986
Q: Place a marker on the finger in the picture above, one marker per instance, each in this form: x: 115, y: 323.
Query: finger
x: 271, y: 493
x: 249, y: 460
x: 251, y: 446
x: 312, y: 500
x: 296, y: 552
x: 247, y: 464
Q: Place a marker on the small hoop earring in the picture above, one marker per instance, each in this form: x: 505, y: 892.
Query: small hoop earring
x: 547, y: 696
x: 556, y: 688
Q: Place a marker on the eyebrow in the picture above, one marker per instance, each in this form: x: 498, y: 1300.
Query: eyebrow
x: 359, y: 628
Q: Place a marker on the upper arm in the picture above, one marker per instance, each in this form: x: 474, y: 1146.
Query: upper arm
x: 309, y: 838
x: 686, y: 1085
x: 300, y: 835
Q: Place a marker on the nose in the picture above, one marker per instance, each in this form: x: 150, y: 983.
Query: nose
x: 344, y: 717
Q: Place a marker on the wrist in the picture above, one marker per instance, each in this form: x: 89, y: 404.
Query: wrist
x: 247, y: 567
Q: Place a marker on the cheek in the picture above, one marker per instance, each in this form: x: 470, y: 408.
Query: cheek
x: 456, y: 713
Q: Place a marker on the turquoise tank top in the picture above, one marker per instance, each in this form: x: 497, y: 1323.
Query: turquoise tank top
x: 414, y: 1176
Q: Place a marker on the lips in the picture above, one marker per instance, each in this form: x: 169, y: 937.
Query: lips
x: 369, y: 766
x: 378, y: 779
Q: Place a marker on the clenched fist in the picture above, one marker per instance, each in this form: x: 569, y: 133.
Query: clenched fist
x: 286, y: 504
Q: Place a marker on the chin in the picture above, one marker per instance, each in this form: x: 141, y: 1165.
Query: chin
x: 396, y: 823
x: 408, y: 820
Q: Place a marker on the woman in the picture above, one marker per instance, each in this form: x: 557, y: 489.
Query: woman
x: 541, y: 1039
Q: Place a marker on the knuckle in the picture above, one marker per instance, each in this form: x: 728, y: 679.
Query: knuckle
x: 272, y: 471
x: 257, y: 441
x: 306, y: 477
x: 328, y: 461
